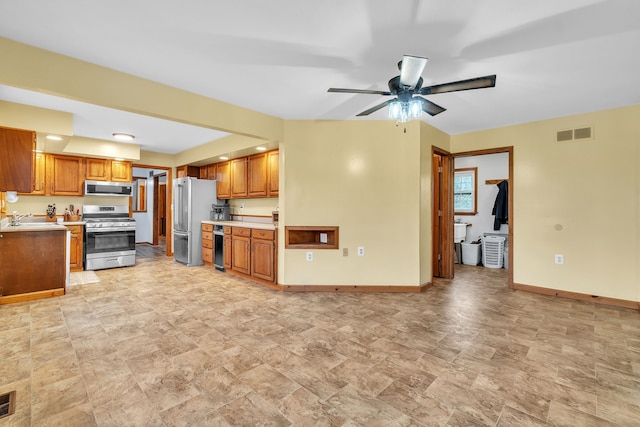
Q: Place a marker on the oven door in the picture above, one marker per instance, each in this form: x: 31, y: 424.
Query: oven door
x: 108, y: 241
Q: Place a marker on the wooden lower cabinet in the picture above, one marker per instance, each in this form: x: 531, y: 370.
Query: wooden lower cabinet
x: 263, y: 254
x: 241, y: 250
x: 75, y: 259
x: 207, y: 244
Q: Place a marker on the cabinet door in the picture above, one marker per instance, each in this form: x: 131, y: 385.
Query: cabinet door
x: 97, y: 169
x: 223, y: 180
x: 273, y: 173
x: 241, y: 254
x: 239, y: 177
x: 17, y: 167
x: 64, y: 175
x: 212, y: 171
x: 228, y: 253
x: 76, y: 248
x: 262, y: 259
x: 257, y: 175
x: 121, y: 171
x: 39, y: 175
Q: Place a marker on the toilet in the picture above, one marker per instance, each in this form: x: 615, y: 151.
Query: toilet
x: 459, y: 232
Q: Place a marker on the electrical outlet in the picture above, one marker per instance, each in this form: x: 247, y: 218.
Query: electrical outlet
x: 345, y: 251
x: 360, y: 250
x: 559, y: 259
x: 309, y: 256
x: 241, y: 205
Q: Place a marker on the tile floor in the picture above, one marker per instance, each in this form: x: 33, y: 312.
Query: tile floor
x: 160, y: 344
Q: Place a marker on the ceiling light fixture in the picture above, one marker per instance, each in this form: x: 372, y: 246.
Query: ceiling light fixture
x: 54, y: 137
x: 405, y: 111
x: 123, y: 136
x: 261, y: 148
x: 224, y: 158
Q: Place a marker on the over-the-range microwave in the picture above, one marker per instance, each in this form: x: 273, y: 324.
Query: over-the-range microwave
x: 104, y: 188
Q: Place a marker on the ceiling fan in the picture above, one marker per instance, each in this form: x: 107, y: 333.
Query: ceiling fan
x: 407, y: 87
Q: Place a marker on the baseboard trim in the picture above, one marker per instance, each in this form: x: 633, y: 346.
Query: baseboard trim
x: 578, y: 296
x: 356, y: 288
x: 10, y: 299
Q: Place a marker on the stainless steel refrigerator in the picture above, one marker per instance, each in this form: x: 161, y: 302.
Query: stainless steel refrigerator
x: 192, y: 200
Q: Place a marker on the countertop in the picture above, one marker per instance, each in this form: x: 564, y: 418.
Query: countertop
x: 37, y: 226
x: 257, y: 225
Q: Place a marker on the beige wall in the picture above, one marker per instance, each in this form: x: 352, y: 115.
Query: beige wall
x: 429, y: 137
x: 364, y: 177
x: 590, y: 189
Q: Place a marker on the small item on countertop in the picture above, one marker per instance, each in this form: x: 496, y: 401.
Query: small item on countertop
x: 51, y: 212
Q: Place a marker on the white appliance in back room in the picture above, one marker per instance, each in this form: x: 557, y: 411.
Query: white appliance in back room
x: 192, y: 200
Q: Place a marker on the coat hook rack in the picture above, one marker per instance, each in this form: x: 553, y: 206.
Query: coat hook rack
x: 494, y: 181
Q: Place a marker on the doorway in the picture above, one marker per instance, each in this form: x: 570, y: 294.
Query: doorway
x: 159, y: 222
x: 487, y: 180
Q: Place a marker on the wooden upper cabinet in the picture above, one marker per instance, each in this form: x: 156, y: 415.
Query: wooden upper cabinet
x: 223, y: 180
x: 257, y: 175
x: 212, y: 171
x: 239, y: 186
x: 39, y: 176
x: 17, y: 168
x: 65, y: 175
x: 273, y: 184
x: 186, y: 170
x: 108, y: 170
x: 121, y: 171
x: 97, y: 169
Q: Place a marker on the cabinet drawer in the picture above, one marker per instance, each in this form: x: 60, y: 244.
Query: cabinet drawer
x: 207, y: 244
x: 239, y: 231
x: 227, y: 229
x: 207, y: 235
x: 207, y: 254
x: 262, y: 234
x: 207, y: 227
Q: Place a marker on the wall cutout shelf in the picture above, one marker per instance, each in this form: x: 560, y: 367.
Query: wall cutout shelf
x: 311, y: 237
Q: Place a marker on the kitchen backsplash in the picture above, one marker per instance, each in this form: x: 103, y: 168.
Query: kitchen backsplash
x: 37, y: 205
x: 258, y: 207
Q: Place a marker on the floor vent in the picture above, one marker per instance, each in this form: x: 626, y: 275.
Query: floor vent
x: 574, y: 134
x: 7, y: 404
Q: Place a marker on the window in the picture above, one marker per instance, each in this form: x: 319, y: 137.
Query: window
x: 465, y: 189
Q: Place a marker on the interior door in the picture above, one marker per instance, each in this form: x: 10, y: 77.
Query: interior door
x: 442, y: 229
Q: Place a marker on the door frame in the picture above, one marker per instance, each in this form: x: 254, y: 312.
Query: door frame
x: 169, y: 227
x: 511, y: 221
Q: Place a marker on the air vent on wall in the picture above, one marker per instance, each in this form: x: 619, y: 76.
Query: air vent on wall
x: 574, y: 134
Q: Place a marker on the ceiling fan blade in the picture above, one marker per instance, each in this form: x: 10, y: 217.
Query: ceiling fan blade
x: 429, y: 107
x: 475, y: 83
x: 411, y: 69
x: 374, y: 109
x: 366, y: 91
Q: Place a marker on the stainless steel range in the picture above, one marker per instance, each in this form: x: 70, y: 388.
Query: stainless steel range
x: 109, y: 237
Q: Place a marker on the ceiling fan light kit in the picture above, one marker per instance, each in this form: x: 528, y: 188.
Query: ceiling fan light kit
x: 408, y: 86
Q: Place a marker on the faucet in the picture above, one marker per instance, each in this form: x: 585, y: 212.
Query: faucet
x: 16, y: 218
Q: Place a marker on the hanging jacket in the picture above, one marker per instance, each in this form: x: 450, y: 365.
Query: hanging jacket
x: 501, y: 205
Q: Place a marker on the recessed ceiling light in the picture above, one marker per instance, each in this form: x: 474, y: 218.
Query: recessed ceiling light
x: 261, y: 148
x: 54, y: 137
x: 224, y: 158
x: 123, y: 136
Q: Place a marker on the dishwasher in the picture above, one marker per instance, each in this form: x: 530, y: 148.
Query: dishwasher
x: 218, y: 247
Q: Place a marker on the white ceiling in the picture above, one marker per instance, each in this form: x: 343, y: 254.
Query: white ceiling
x: 552, y: 58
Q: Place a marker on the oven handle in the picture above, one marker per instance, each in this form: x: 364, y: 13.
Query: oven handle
x: 108, y: 229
